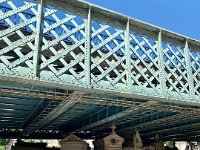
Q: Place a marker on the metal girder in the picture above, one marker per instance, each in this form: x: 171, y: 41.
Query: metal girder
x: 108, y: 119
x: 97, y: 122
x: 167, y: 107
x: 38, y: 39
x: 78, y: 112
x: 180, y: 135
x: 111, y: 58
x: 20, y: 108
x: 100, y: 118
x: 40, y: 111
x: 128, y: 54
x: 189, y: 71
x: 178, y: 126
x: 149, y: 68
x: 53, y: 114
x: 121, y: 121
x: 193, y: 138
x: 145, y: 121
x: 161, y: 64
x: 88, y: 50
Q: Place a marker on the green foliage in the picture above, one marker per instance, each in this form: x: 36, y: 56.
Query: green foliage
x: 170, y: 144
x: 2, y: 148
x: 4, y: 142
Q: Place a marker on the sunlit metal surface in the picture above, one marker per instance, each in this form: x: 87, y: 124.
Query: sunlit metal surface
x: 71, y: 66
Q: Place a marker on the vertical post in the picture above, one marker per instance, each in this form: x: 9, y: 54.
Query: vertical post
x: 88, y: 50
x: 128, y: 55
x: 38, y: 40
x: 161, y: 66
x: 189, y: 70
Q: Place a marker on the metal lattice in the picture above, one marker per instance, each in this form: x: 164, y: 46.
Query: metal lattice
x: 195, y: 63
x: 108, y: 57
x: 81, y: 47
x: 144, y: 64
x: 175, y: 69
x: 62, y: 54
x: 17, y: 37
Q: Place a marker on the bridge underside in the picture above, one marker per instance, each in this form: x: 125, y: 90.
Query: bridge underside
x: 33, y: 111
x: 79, y: 70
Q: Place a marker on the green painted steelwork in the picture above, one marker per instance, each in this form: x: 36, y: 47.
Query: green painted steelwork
x: 122, y: 71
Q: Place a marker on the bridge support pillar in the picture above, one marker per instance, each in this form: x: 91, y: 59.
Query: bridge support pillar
x: 111, y: 142
x: 73, y: 142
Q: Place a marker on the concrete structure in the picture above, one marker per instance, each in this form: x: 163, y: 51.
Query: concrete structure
x: 73, y: 142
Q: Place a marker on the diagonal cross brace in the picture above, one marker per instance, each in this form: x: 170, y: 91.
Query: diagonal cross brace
x: 56, y: 112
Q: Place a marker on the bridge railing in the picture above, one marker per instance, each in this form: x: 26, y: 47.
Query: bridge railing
x: 76, y: 43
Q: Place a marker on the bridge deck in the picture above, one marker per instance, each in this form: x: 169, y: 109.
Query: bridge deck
x: 72, y: 66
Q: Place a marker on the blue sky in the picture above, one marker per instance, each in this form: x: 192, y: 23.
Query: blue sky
x: 181, y: 16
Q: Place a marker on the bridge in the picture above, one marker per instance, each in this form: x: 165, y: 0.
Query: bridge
x: 69, y: 66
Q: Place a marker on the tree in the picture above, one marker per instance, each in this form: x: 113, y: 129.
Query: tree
x: 170, y: 144
x: 4, y: 142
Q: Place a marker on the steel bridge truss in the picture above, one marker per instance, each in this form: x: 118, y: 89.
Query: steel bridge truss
x: 58, y: 42
x: 96, y: 57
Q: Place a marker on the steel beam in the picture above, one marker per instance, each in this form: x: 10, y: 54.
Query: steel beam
x: 97, y: 91
x: 88, y: 50
x: 56, y: 112
x: 189, y: 71
x: 195, y: 137
x: 86, y: 124
x: 145, y: 121
x: 119, y: 121
x: 61, y: 67
x: 184, y: 134
x: 161, y: 66
x: 128, y: 56
x: 178, y: 126
x: 38, y: 40
x: 167, y: 107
